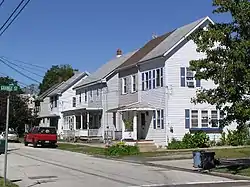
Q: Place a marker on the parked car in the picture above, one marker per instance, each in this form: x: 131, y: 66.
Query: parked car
x: 12, y: 136
x: 41, y: 136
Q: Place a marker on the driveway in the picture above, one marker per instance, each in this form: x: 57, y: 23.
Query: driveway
x: 52, y: 167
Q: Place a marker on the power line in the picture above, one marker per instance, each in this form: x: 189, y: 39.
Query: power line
x: 4, y: 74
x: 22, y: 62
x: 1, y: 3
x: 11, y: 14
x: 14, y: 17
x: 21, y: 67
x: 19, y: 71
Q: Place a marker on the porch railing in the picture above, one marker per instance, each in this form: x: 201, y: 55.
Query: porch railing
x: 93, y: 132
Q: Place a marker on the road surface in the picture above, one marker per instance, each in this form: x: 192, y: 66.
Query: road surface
x: 44, y: 167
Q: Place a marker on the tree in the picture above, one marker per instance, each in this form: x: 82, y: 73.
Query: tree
x: 56, y: 74
x: 19, y: 113
x: 227, y: 62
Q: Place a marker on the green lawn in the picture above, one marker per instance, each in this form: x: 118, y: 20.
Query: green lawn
x: 9, y: 184
x: 97, y: 151
x: 242, y: 152
x: 233, y: 152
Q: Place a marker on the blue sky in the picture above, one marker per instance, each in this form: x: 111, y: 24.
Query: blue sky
x: 87, y: 33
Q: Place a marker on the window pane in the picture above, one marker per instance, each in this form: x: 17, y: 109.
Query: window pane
x: 204, y: 118
x: 194, y: 118
x: 147, y: 81
x: 190, y: 74
x: 157, y: 77
x: 214, y: 118
x: 158, y: 119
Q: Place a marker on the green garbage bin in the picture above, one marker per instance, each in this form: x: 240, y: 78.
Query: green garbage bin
x: 2, y: 146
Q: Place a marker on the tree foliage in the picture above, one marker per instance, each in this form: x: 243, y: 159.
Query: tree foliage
x: 227, y: 62
x: 19, y: 113
x: 56, y: 74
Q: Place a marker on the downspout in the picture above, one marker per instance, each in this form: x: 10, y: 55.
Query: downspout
x: 166, y: 107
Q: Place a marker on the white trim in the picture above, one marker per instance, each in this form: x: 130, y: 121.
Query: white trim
x: 124, y: 80
x: 133, y: 81
x: 137, y: 109
x: 190, y: 32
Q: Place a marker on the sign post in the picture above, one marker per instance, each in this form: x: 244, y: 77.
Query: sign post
x: 8, y: 88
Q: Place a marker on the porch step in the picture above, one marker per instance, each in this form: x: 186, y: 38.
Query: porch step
x: 147, y: 146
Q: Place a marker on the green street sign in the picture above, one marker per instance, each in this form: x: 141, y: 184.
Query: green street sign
x: 9, y: 88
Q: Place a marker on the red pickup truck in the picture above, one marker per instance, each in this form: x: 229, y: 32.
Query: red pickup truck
x: 42, y: 136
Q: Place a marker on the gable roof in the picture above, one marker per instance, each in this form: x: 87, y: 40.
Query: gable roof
x: 67, y: 84
x: 48, y: 91
x: 142, y: 52
x: 159, y: 46
x: 104, y: 70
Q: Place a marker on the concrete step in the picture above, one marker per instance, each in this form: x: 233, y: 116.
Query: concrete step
x: 146, y: 146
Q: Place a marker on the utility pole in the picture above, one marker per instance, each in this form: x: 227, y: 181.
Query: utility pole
x: 9, y: 88
x: 6, y: 139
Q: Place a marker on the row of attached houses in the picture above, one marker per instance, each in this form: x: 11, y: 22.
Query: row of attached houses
x: 142, y: 95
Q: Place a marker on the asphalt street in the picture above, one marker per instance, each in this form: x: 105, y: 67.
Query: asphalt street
x: 44, y: 167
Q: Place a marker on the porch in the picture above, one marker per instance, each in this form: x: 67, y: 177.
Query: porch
x: 136, y: 121
x: 82, y: 124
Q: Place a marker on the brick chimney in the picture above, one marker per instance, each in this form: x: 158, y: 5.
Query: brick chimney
x: 118, y: 53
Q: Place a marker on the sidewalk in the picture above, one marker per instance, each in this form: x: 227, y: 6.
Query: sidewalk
x: 186, y: 164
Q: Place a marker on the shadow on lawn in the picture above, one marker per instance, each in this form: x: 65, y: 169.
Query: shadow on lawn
x: 235, y: 166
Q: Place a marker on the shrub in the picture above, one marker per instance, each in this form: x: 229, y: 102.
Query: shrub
x: 237, y: 137
x: 176, y: 144
x: 223, y: 139
x: 200, y: 139
x: 120, y: 149
x: 197, y: 140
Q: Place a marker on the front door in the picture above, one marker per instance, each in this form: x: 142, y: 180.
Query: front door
x: 143, y: 126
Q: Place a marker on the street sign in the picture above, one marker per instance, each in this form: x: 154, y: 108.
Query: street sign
x: 8, y: 88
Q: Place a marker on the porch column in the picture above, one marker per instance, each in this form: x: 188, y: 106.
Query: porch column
x: 74, y: 122
x: 81, y: 121
x: 135, y: 125
x: 123, y: 125
x: 88, y: 120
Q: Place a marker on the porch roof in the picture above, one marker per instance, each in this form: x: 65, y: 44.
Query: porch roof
x: 83, y: 109
x: 48, y: 116
x: 138, y: 106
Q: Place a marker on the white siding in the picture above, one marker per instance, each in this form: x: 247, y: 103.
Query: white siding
x: 180, y: 97
x: 156, y: 98
x: 111, y: 100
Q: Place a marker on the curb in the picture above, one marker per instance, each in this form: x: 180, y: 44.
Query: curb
x: 211, y: 173
x: 229, y: 176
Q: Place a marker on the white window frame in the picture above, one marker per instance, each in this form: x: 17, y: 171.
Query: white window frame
x: 158, y: 119
x: 189, y: 77
x: 210, y: 117
x: 124, y: 85
x: 192, y: 118
x: 91, y: 95
x: 204, y: 119
x: 133, y: 83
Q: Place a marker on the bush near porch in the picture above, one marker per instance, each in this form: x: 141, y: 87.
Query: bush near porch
x: 120, y: 149
x: 196, y: 140
x: 238, y: 137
